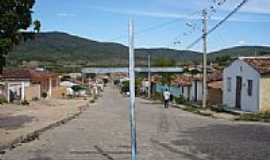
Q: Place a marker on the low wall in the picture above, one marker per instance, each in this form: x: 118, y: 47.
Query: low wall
x: 33, y: 91
x: 58, y: 92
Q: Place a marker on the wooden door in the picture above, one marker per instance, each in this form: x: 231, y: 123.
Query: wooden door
x: 238, y: 92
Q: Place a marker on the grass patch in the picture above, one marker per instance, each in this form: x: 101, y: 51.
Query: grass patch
x: 255, y: 117
x: 196, y: 110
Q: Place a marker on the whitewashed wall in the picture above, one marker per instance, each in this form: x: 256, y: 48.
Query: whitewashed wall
x: 199, y: 91
x: 240, y: 68
x: 187, y: 92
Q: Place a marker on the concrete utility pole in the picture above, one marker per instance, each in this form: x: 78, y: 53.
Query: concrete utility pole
x: 149, y: 76
x: 205, y: 31
x: 132, y: 92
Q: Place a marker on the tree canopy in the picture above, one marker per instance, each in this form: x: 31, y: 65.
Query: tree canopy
x: 15, y: 17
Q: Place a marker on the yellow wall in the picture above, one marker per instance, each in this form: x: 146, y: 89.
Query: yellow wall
x: 33, y: 91
x: 265, y: 94
x: 58, y: 92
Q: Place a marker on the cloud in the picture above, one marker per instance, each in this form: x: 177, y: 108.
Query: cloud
x: 132, y: 12
x: 65, y: 15
x: 242, y: 42
x: 140, y: 12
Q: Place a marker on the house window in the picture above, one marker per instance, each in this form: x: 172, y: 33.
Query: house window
x: 229, y: 84
x: 250, y: 87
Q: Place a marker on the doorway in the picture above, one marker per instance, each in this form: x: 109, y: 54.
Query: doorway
x: 238, y: 92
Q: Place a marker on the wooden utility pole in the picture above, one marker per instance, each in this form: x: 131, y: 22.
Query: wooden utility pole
x: 132, y: 119
x: 205, y: 31
x: 149, y: 76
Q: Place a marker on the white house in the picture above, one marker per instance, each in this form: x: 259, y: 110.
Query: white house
x: 16, y: 85
x: 246, y: 84
x: 196, y: 90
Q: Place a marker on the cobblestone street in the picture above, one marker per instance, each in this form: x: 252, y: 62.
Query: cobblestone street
x: 102, y: 133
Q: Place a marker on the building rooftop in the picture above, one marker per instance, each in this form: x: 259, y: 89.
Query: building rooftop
x: 260, y: 64
x: 15, y: 74
x: 24, y: 74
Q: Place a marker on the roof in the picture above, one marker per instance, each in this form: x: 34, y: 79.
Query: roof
x: 260, y: 64
x: 215, y: 76
x: 24, y: 74
x: 183, y: 80
x: 15, y: 74
x: 215, y: 84
x: 41, y: 74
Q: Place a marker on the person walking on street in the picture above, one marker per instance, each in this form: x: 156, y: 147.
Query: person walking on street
x: 166, y: 96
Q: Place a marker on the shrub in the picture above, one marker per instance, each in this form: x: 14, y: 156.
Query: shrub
x: 92, y: 101
x: 157, y: 96
x: 35, y: 99
x: 180, y: 100
x: 44, y: 95
x: 78, y: 88
x: 263, y: 117
x: 25, y: 102
x: 3, y: 100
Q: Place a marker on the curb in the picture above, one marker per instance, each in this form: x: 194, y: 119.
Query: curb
x: 35, y: 134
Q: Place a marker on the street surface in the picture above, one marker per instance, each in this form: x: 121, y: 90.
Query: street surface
x: 102, y: 133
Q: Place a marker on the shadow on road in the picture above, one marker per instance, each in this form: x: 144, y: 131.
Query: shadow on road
x: 14, y: 122
x: 230, y: 142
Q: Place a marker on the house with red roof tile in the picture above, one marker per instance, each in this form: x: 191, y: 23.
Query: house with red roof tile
x: 26, y: 84
x: 246, y: 84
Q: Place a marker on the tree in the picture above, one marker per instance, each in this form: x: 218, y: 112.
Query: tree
x: 166, y: 62
x: 37, y: 26
x: 15, y: 16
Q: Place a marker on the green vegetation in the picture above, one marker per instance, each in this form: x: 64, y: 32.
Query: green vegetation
x: 78, y: 88
x: 3, y: 100
x: 25, y: 103
x: 196, y: 110
x: 262, y: 117
x: 44, y: 95
x: 180, y: 100
x: 223, y: 60
x: 125, y: 86
x: 16, y: 15
x: 166, y: 62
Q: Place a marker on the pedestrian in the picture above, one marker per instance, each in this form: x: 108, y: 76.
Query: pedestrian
x: 166, y: 96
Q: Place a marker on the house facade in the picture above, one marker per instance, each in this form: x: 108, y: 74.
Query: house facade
x: 196, y: 90
x: 16, y: 85
x: 27, y: 84
x: 246, y: 84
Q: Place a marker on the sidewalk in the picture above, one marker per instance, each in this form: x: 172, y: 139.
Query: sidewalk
x: 218, y: 115
x: 21, y: 123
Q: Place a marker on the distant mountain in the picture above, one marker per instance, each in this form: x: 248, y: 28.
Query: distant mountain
x: 60, y: 50
x: 242, y: 51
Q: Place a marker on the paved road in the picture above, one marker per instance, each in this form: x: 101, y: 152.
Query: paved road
x: 102, y: 133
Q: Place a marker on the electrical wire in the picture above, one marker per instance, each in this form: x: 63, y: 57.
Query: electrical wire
x: 218, y: 25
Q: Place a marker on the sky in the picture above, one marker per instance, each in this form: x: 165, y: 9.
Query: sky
x: 158, y: 23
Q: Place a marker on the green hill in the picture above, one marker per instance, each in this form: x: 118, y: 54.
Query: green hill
x: 61, y: 50
x: 242, y: 51
x: 64, y: 52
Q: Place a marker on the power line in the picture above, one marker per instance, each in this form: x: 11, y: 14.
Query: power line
x: 219, y: 24
x: 151, y: 28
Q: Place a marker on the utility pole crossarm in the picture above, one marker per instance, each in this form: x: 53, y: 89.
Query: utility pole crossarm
x: 219, y: 24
